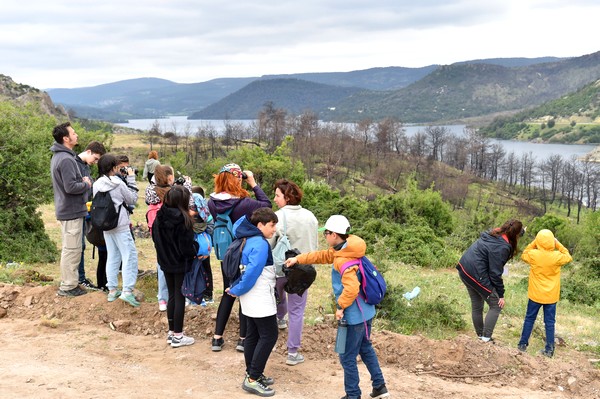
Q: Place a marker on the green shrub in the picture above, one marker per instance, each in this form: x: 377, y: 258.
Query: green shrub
x: 582, y: 284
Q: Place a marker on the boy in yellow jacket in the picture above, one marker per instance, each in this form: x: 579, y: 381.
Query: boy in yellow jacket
x: 545, y: 255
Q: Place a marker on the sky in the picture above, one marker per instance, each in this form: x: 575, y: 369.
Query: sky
x: 82, y: 43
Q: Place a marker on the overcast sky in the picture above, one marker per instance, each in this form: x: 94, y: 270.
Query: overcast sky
x: 78, y: 43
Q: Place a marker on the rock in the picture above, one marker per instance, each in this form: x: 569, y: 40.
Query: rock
x: 468, y: 380
x: 3, y: 313
x: 571, y: 380
x: 28, y: 300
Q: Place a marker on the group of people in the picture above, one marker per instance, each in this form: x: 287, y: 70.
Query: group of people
x: 175, y: 220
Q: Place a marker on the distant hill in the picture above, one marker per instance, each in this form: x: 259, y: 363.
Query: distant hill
x: 145, y: 97
x: 294, y: 95
x: 388, y: 78
x: 459, y: 91
x: 23, y: 94
x: 512, y: 62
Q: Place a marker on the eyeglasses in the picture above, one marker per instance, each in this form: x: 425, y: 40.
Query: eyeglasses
x: 327, y: 232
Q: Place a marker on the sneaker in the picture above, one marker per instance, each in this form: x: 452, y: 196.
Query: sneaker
x: 281, y: 324
x: 129, y: 298
x: 380, y: 392
x: 113, y: 295
x: 209, y: 299
x: 294, y: 359
x: 169, y: 337
x: 88, y: 284
x: 203, y: 303
x: 240, y: 345
x: 183, y: 340
x: 257, y: 387
x: 217, y: 344
x: 266, y: 380
x: 73, y: 292
x: 547, y: 353
x: 162, y: 305
x: 522, y: 347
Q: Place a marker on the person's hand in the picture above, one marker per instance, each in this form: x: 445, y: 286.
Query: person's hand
x: 229, y: 293
x: 291, y: 261
x: 87, y: 181
x: 501, y: 303
x: 250, y: 178
x: 130, y: 171
x: 339, y: 314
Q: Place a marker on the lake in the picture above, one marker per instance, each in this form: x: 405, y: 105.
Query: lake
x: 540, y: 151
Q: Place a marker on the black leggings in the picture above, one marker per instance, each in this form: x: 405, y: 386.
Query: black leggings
x: 209, y: 283
x: 101, y: 270
x: 224, y: 310
x: 176, y: 303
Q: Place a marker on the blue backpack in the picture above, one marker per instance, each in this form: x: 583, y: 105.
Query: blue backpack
x: 204, y: 244
x: 372, y: 284
x: 223, y: 233
x: 195, y: 282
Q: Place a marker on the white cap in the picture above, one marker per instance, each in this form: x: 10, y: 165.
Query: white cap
x: 337, y: 224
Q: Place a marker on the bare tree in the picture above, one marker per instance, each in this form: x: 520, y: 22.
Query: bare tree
x: 437, y: 137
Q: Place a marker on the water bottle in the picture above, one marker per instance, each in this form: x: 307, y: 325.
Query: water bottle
x: 340, y: 339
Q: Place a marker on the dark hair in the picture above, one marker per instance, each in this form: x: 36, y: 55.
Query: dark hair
x: 60, y: 132
x: 264, y: 216
x: 290, y: 190
x: 96, y: 147
x: 179, y: 197
x: 512, y: 229
x: 122, y: 159
x: 106, y: 163
x: 198, y: 190
x: 344, y: 237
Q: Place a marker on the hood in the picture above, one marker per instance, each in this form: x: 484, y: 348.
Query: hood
x: 105, y: 183
x: 545, y: 240
x: 169, y: 217
x: 56, y: 147
x: 243, y: 228
x: 151, y: 161
x: 355, y: 248
x: 488, y: 238
x: 224, y: 201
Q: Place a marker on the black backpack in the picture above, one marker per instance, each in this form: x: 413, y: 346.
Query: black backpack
x: 299, y: 276
x: 103, y: 214
x: 232, y: 261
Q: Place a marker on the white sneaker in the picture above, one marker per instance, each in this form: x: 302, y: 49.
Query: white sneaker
x: 294, y: 359
x: 162, y: 305
x: 281, y: 324
x: 183, y: 340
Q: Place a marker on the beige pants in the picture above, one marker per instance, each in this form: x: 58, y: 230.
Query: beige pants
x: 70, y: 256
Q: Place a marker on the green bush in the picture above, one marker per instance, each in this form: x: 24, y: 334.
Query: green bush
x: 419, y: 315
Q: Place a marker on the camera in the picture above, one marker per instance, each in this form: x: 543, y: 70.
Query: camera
x: 180, y: 179
x: 124, y: 170
x: 244, y: 176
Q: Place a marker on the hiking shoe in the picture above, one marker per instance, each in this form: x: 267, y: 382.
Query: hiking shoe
x: 162, y: 305
x: 240, y: 345
x: 183, y: 340
x: 88, y: 284
x: 281, y: 324
x: 113, y: 295
x: 522, y: 347
x: 129, y: 298
x: 547, y: 353
x: 169, y: 337
x: 217, y: 344
x: 73, y: 292
x: 266, y: 380
x: 294, y: 359
x: 257, y: 387
x: 380, y: 392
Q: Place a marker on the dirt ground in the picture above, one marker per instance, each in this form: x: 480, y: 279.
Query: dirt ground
x: 86, y: 347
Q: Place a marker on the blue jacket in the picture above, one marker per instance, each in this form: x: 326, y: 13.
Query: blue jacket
x: 256, y: 287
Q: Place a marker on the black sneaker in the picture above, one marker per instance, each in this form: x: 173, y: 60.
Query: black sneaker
x: 380, y: 392
x: 217, y: 344
x: 522, y: 347
x: 74, y: 292
x: 547, y: 353
x: 240, y: 345
x: 88, y: 284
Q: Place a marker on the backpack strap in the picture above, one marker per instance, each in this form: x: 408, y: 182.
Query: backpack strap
x: 343, y: 269
x: 348, y: 264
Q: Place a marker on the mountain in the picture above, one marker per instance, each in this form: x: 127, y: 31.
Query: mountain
x: 145, y: 97
x: 293, y: 95
x: 388, y: 78
x: 512, y: 62
x: 23, y: 94
x: 458, y: 91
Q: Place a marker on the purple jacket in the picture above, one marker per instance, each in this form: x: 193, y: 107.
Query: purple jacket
x: 219, y: 203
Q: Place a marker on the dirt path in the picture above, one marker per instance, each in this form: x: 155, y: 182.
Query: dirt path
x: 55, y: 347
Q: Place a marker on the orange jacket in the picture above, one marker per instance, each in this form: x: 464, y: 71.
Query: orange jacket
x: 354, y: 249
x: 545, y: 256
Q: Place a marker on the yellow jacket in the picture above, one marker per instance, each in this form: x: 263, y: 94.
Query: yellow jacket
x: 355, y: 248
x: 545, y: 256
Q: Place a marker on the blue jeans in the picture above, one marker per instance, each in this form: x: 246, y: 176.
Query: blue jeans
x: 549, y: 321
x: 163, y: 291
x: 358, y: 344
x: 120, y: 247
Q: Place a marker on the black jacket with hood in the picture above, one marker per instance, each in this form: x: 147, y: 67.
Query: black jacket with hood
x: 481, y: 266
x: 175, y: 245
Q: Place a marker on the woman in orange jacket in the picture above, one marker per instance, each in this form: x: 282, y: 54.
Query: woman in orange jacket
x: 545, y: 256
